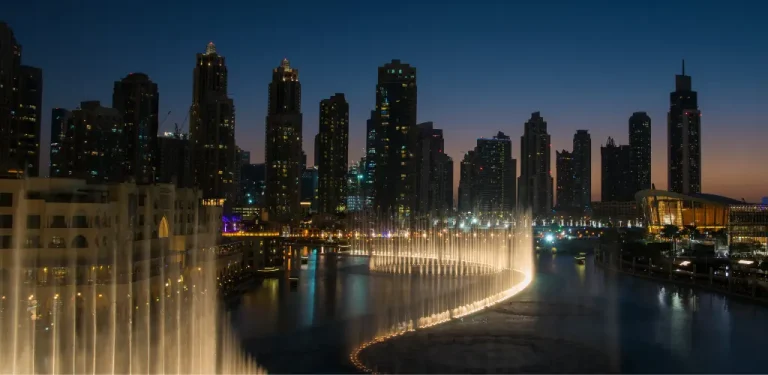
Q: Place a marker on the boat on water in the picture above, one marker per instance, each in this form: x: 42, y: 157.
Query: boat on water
x: 581, y: 258
x: 304, y: 260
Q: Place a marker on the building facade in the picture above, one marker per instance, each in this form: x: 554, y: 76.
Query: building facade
x: 212, y: 128
x: 616, y: 182
x: 435, y: 175
x: 684, y: 138
x: 21, y: 100
x: 566, y: 192
x: 333, y: 155
x: 396, y: 141
x: 175, y: 158
x: 535, y: 181
x: 640, y: 148
x: 582, y: 170
x: 137, y: 99
x: 283, y: 151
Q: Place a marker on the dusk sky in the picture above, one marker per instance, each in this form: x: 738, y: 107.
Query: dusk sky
x: 481, y: 67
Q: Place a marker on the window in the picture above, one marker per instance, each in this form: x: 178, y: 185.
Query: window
x: 58, y: 222
x: 33, y: 221
x: 5, y: 242
x: 6, y: 221
x: 32, y: 242
x: 57, y: 243
x: 80, y: 221
x: 6, y: 199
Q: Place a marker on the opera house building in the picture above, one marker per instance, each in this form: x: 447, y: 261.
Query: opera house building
x: 746, y: 224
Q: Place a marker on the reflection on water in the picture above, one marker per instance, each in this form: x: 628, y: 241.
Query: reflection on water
x: 639, y: 325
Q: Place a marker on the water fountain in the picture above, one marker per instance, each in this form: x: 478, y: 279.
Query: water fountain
x: 477, y: 265
x: 114, y: 310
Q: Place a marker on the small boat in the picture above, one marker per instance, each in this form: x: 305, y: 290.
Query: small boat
x: 580, y: 259
x: 304, y: 260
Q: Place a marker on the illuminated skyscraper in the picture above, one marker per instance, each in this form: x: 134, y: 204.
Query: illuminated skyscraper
x: 212, y: 128
x: 283, y: 151
x: 640, y: 145
x: 136, y: 97
x: 59, y: 123
x: 396, y: 141
x: 535, y: 181
x: 21, y: 97
x: 332, y: 150
x: 684, y: 138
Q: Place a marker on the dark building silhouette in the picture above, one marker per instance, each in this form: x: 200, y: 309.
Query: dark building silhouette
x: 174, y: 161
x: 368, y: 186
x: 90, y: 147
x: 333, y: 155
x: 21, y: 100
x: 684, y: 138
x: 640, y: 145
x: 212, y: 128
x: 309, y: 190
x: 582, y: 170
x: 435, y: 175
x: 59, y: 126
x: 136, y: 97
x: 616, y: 179
x: 468, y: 173
x: 396, y: 141
x: 535, y: 181
x: 566, y: 181
x: 283, y: 151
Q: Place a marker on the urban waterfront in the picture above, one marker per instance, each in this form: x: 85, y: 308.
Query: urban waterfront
x: 570, y: 313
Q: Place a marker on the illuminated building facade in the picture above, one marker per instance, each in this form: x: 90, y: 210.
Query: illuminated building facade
x: 565, y: 180
x: 212, y: 128
x: 640, y: 150
x: 88, y: 144
x: 535, y: 181
x: 283, y: 151
x: 684, y: 138
x: 137, y: 99
x: 21, y: 98
x: 435, y: 176
x: 332, y: 150
x: 396, y: 141
x: 355, y: 190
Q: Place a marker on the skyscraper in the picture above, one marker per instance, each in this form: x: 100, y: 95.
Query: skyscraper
x: 495, y: 168
x: 396, y: 141
x: 21, y: 97
x: 136, y: 97
x: 467, y: 176
x: 435, y: 175
x: 174, y: 159
x: 369, y: 188
x: 333, y: 155
x: 283, y: 144
x: 91, y: 144
x: 582, y: 170
x: 355, y: 176
x: 59, y: 123
x: 535, y: 181
x: 212, y: 128
x: 640, y: 145
x: 616, y: 179
x: 566, y: 180
x: 684, y: 138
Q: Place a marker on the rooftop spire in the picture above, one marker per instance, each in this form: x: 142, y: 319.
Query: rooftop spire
x: 211, y: 48
x: 285, y: 63
x: 683, y: 66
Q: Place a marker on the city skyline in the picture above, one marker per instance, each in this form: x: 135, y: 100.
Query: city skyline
x: 719, y: 64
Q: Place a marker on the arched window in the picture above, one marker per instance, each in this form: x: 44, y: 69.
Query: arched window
x: 163, y: 228
x: 79, y: 242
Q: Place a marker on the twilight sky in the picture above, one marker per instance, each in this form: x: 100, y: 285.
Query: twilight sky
x: 482, y: 66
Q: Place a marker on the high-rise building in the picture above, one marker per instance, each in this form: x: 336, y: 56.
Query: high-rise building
x: 566, y: 180
x: 136, y: 97
x: 396, y: 141
x: 435, y: 175
x: 309, y: 193
x: 355, y: 177
x: 21, y: 97
x: 582, y: 170
x: 535, y: 181
x: 91, y: 146
x: 616, y: 179
x: 640, y: 145
x: 253, y: 184
x: 283, y: 144
x: 332, y: 150
x: 174, y: 159
x: 684, y: 138
x: 466, y: 183
x: 494, y: 189
x: 212, y: 128
x: 369, y: 188
x: 59, y: 126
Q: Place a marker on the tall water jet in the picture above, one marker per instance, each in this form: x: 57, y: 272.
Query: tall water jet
x: 114, y: 279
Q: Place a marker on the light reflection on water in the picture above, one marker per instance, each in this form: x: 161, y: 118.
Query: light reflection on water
x: 642, y: 326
